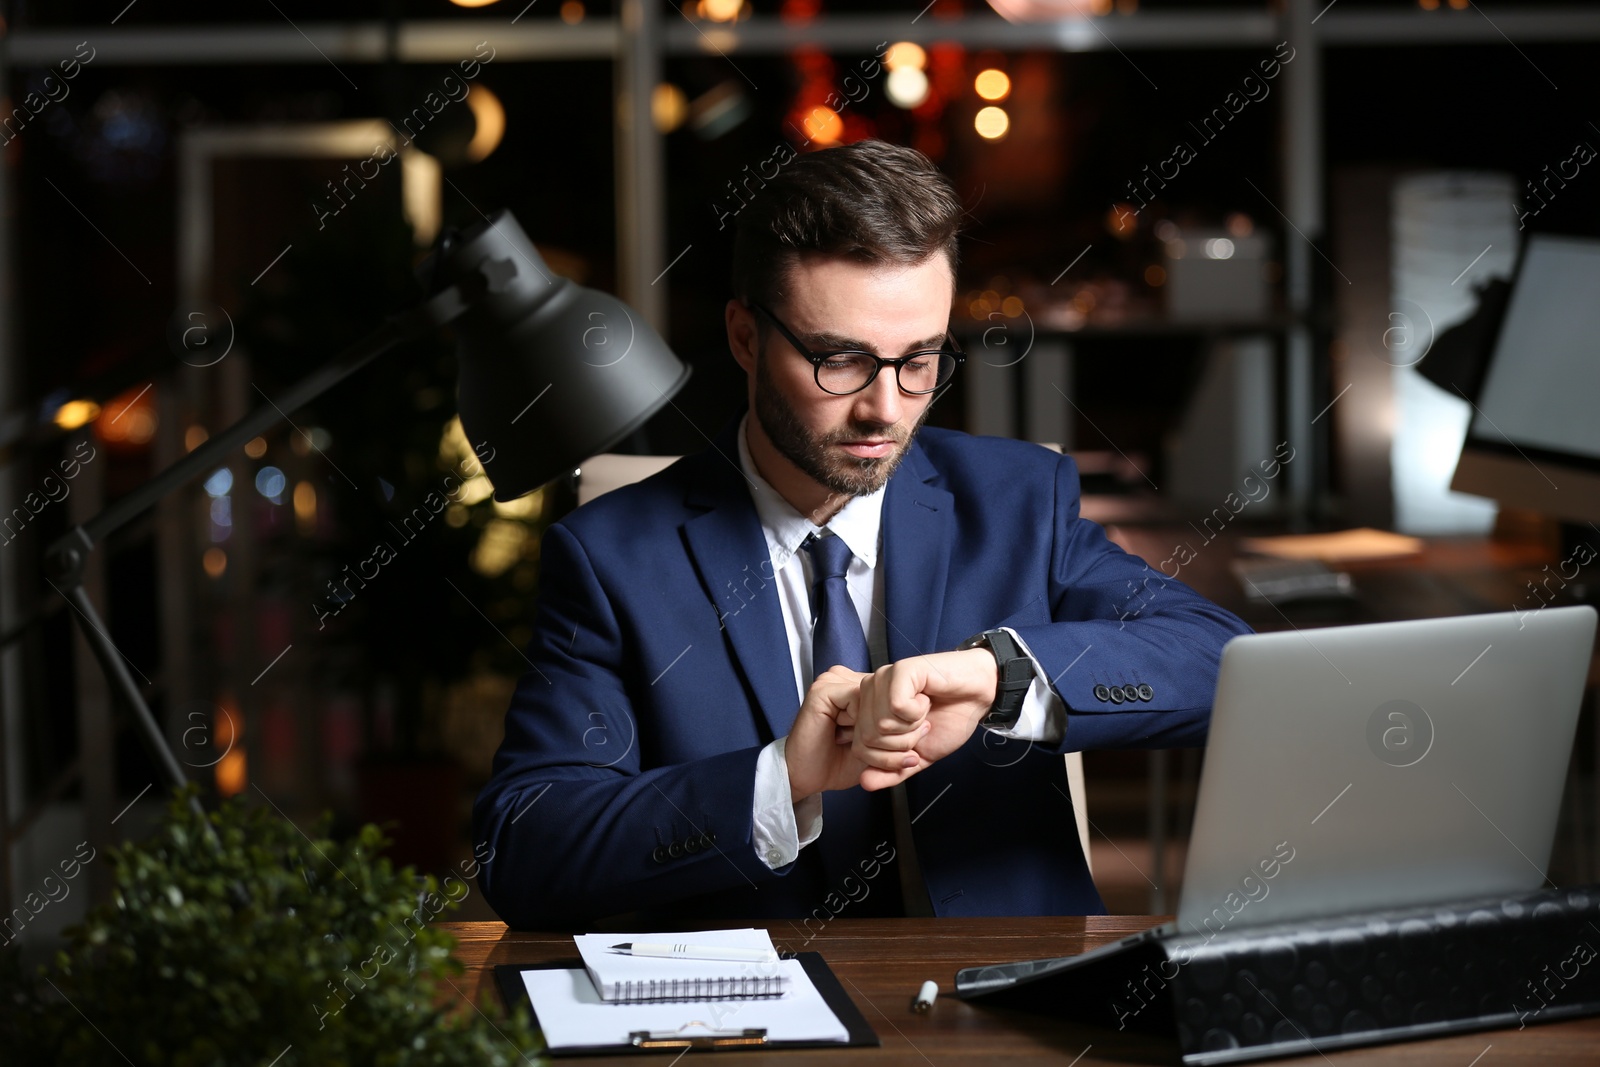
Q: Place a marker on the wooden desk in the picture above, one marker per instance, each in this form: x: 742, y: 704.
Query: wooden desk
x: 882, y: 962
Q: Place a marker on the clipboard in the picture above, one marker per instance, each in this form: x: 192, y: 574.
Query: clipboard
x: 508, y: 978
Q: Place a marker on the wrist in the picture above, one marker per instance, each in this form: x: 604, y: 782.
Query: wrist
x: 788, y: 774
x: 986, y: 673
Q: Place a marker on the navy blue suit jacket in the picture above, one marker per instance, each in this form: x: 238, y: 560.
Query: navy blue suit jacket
x: 660, y: 668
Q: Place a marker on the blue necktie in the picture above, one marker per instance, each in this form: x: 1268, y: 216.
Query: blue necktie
x: 856, y: 824
x: 837, y: 638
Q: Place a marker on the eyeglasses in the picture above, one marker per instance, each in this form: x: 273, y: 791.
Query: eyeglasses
x: 844, y: 372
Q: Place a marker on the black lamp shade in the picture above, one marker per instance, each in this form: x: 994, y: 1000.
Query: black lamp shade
x: 550, y: 373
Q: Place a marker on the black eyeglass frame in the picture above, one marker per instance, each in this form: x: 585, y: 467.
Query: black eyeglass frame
x: 952, y: 349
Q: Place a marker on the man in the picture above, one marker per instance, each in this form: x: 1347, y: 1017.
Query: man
x: 747, y: 698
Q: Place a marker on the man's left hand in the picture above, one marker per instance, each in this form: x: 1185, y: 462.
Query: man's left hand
x: 950, y: 691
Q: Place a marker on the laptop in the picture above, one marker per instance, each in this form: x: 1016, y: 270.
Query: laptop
x: 1361, y: 767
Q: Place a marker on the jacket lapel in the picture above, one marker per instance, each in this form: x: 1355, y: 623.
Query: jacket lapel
x: 730, y: 553
x: 918, y: 529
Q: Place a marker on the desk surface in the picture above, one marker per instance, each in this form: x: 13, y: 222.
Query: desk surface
x: 882, y: 962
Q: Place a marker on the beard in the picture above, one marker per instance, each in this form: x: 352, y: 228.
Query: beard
x: 815, y: 453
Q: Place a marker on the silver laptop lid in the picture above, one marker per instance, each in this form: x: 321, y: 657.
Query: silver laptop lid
x: 1362, y: 767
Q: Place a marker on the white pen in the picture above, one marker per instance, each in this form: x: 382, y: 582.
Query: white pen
x: 694, y: 952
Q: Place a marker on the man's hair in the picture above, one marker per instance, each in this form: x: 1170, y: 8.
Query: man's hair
x: 870, y: 201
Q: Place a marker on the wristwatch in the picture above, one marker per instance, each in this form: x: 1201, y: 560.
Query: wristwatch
x: 1015, y: 676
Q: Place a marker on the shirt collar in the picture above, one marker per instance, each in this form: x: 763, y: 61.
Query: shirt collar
x: 858, y: 523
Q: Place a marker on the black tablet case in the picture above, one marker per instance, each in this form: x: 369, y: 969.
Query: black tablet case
x: 1301, y: 988
x: 508, y: 977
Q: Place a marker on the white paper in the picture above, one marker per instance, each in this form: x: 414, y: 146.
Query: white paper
x: 571, y: 1013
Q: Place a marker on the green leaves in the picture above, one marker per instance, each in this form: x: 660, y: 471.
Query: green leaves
x: 272, y: 940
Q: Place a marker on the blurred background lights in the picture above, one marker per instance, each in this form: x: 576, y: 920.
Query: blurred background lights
x: 75, y: 413
x: 305, y: 506
x: 668, y: 107
x: 1239, y: 224
x: 906, y: 87
x: 226, y: 726
x: 215, y: 562
x: 904, y: 55
x: 220, y: 482
x: 131, y: 418
x: 502, y: 544
x: 823, y: 125
x: 721, y: 10
x: 473, y: 3
x: 271, y: 483
x: 992, y: 123
x: 719, y: 109
x: 256, y: 448
x: 572, y: 12
x: 490, y: 116
x: 992, y: 84
x: 1167, y: 230
x: 524, y: 507
x: 1122, y: 220
x: 1219, y: 248
x: 221, y: 512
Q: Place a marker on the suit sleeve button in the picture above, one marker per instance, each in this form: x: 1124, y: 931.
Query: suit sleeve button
x: 692, y: 843
x: 675, y: 850
x: 1130, y: 693
x: 711, y: 837
x: 659, y: 855
x: 1116, y: 694
x: 1146, y: 693
x: 706, y: 839
x: 1102, y: 693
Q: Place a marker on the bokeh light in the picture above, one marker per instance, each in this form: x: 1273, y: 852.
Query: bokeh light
x: 992, y: 84
x: 992, y: 123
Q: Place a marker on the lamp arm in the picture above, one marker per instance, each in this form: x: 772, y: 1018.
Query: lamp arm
x: 441, y: 308
x: 208, y: 455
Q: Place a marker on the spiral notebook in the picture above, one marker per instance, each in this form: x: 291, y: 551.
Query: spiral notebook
x: 621, y: 978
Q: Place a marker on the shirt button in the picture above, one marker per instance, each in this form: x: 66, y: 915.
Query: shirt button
x: 774, y: 858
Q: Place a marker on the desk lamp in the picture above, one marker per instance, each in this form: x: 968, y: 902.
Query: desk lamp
x: 550, y: 374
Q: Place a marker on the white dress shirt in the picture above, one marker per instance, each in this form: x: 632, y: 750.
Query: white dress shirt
x: 783, y: 827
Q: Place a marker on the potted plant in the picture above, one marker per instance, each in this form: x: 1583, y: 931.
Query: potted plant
x: 234, y: 938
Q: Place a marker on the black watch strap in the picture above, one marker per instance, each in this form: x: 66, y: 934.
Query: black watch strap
x: 1015, y: 676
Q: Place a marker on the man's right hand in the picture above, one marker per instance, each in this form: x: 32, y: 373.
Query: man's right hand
x: 817, y: 752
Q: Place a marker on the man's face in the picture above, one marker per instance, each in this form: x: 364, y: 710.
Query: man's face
x: 849, y: 444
